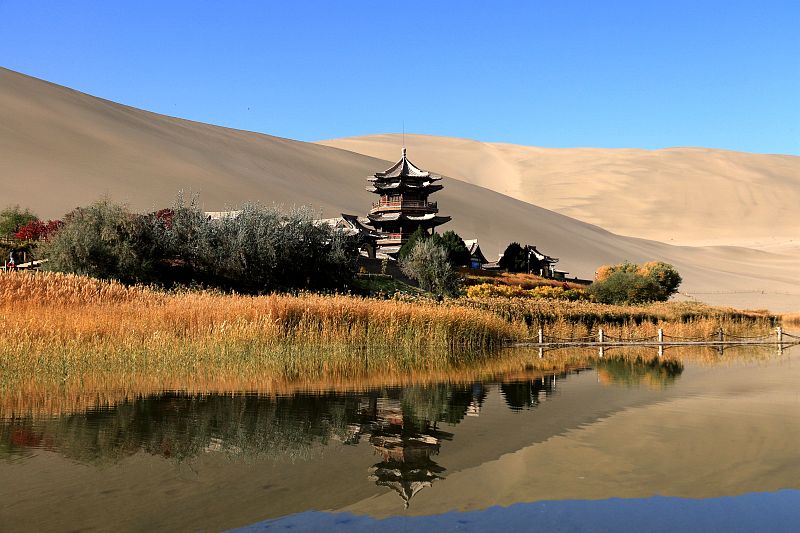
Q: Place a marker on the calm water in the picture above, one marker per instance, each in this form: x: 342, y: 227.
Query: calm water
x: 644, y: 446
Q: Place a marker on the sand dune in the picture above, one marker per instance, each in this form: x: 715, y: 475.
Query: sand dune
x: 60, y: 148
x: 694, y: 196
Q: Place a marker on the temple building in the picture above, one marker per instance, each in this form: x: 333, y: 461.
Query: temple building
x: 403, y: 205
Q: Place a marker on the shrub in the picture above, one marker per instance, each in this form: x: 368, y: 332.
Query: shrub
x: 102, y: 241
x: 630, y: 283
x: 664, y: 275
x: 429, y: 265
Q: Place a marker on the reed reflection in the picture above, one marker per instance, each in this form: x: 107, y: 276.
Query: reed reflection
x: 402, y: 425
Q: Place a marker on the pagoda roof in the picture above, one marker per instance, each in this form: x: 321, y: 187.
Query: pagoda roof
x: 360, y: 225
x: 475, y: 250
x: 404, y: 185
x: 543, y: 257
x: 397, y: 217
x: 404, y: 169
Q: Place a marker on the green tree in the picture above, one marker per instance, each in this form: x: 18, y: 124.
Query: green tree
x: 419, y: 234
x: 457, y: 251
x: 514, y: 258
x: 429, y: 265
x: 104, y: 240
x: 13, y: 218
x: 256, y: 250
x: 665, y: 276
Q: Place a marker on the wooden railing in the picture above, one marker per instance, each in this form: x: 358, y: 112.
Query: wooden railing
x: 416, y: 204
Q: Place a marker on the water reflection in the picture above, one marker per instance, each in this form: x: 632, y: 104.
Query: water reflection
x: 402, y: 425
x: 654, y: 373
x: 527, y: 394
x: 390, y: 449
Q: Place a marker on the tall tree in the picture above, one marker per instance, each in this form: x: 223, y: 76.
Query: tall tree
x: 514, y: 258
x: 457, y: 251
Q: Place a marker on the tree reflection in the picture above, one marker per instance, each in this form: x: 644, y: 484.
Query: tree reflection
x: 400, y: 424
x: 527, y: 394
x: 656, y: 373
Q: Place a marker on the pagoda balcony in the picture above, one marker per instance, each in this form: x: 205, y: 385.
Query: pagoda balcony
x: 393, y: 205
x: 390, y: 238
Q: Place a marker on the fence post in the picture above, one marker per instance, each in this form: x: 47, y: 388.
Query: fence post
x: 780, y: 335
x: 541, y: 336
x: 600, y: 336
x: 541, y: 352
x: 660, y: 336
x: 721, y: 335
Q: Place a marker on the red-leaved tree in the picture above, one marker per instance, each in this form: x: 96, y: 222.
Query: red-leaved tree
x: 38, y: 230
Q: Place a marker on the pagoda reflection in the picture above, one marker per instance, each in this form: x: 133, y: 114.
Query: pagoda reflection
x: 405, y: 442
x: 402, y: 425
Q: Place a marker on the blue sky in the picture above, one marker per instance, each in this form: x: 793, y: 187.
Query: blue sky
x: 556, y: 73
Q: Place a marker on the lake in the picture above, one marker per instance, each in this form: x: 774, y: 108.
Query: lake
x: 678, y: 443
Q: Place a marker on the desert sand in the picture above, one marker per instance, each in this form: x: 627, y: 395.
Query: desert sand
x: 60, y: 148
x: 692, y: 196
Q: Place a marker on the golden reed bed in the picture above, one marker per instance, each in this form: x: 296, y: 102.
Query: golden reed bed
x: 57, y: 323
x: 60, y: 331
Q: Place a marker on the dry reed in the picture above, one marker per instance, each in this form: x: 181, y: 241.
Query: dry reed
x: 575, y: 320
x: 791, y: 320
x: 58, y: 325
x: 60, y: 329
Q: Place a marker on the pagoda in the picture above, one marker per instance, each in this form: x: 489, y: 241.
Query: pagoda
x: 403, y: 206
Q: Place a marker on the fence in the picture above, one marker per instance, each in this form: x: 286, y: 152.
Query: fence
x: 719, y: 340
x: 661, y: 340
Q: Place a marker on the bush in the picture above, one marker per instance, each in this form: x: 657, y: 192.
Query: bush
x: 428, y: 264
x: 631, y: 283
x: 36, y: 230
